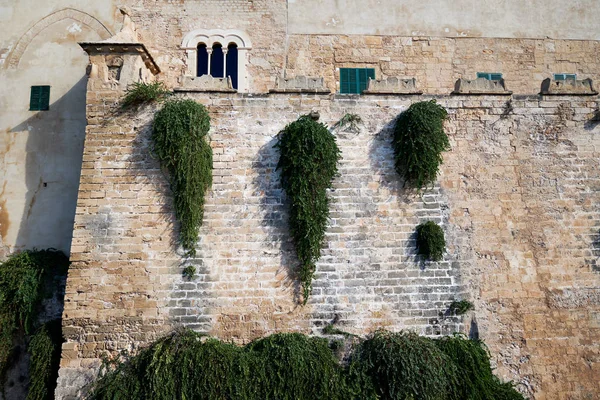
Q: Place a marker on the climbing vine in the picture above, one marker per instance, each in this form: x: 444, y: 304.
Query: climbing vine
x: 431, y: 243
x: 308, y: 163
x: 180, y: 142
x: 25, y: 279
x: 44, y: 349
x: 142, y: 93
x: 419, y: 141
x: 290, y: 366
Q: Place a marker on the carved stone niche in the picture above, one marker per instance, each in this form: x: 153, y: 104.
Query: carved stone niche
x: 582, y: 87
x: 392, y: 85
x: 205, y: 83
x: 481, y: 86
x: 300, y: 84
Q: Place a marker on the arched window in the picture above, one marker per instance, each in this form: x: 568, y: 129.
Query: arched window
x: 232, y: 64
x: 202, y: 60
x: 217, y: 61
x: 218, y: 53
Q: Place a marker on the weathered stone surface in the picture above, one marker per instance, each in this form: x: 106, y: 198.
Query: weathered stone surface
x: 568, y: 87
x: 392, y: 85
x: 205, y: 83
x: 480, y: 86
x: 300, y: 84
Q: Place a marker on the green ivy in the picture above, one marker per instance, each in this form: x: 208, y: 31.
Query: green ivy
x: 44, y: 349
x: 180, y: 141
x: 290, y: 366
x: 460, y: 307
x: 431, y: 243
x: 25, y: 279
x: 419, y: 141
x: 308, y: 163
x: 141, y: 93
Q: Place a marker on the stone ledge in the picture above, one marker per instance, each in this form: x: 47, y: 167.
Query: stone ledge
x: 571, y: 87
x: 392, y: 85
x: 300, y: 84
x: 205, y: 83
x: 480, y: 86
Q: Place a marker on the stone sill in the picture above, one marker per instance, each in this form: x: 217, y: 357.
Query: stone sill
x: 392, y: 93
x: 310, y: 91
x: 471, y: 93
x: 199, y: 90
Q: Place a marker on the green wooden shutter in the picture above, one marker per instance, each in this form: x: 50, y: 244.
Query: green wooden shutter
x: 490, y: 76
x: 40, y: 98
x: 355, y: 80
x: 495, y: 77
x: 345, y: 80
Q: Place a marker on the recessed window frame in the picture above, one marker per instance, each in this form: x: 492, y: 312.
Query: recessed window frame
x: 39, y: 98
x: 490, y: 76
x: 355, y: 80
x: 564, y: 77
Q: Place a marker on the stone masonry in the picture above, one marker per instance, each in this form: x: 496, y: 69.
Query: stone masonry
x: 517, y: 197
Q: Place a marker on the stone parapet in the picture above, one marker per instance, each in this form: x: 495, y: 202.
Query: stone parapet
x: 300, y: 84
x: 205, y: 83
x: 481, y: 86
x: 392, y: 85
x: 568, y: 87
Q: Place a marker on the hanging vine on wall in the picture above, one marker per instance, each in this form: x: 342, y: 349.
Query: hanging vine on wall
x: 419, y: 141
x: 180, y: 142
x: 308, y: 162
x: 26, y: 278
x: 431, y: 242
x: 292, y: 366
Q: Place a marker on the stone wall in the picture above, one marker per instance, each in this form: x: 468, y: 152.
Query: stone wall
x: 517, y: 198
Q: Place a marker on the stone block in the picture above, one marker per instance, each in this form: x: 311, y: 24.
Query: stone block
x: 205, y: 83
x: 480, y: 86
x: 300, y: 84
x: 392, y: 85
x: 568, y: 87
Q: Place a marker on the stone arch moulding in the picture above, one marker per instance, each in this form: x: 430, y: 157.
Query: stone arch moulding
x: 224, y: 37
x: 14, y: 57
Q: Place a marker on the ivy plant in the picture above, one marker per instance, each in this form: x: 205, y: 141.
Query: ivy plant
x: 431, y: 243
x: 179, y: 138
x: 142, y: 93
x: 308, y: 162
x: 292, y: 366
x: 419, y: 140
x: 26, y: 278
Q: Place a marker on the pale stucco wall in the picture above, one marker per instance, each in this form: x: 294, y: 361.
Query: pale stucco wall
x: 452, y: 18
x: 40, y: 152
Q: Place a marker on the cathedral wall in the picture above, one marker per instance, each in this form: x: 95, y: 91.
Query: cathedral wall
x: 516, y: 197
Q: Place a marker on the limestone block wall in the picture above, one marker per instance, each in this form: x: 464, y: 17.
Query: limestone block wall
x: 517, y: 197
x: 437, y: 62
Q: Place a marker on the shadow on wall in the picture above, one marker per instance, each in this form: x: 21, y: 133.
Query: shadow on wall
x: 53, y: 160
x: 275, y: 214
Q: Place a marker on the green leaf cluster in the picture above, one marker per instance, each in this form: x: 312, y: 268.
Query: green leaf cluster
x: 179, y: 138
x: 308, y: 163
x: 419, y: 141
x: 431, y: 243
x: 460, y: 307
x: 25, y: 279
x: 290, y: 366
x: 44, y: 349
x: 142, y: 93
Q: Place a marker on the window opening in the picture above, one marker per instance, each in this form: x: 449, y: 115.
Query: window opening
x: 217, y: 61
x: 40, y: 98
x: 232, y: 64
x: 355, y: 80
x: 491, y: 76
x: 564, y: 77
x: 202, y: 60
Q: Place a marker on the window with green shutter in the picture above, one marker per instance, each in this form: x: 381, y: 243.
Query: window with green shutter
x: 491, y: 76
x: 564, y: 77
x: 355, y: 80
x: 40, y: 98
